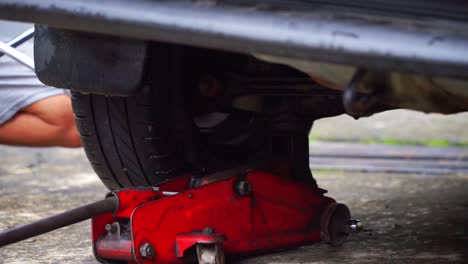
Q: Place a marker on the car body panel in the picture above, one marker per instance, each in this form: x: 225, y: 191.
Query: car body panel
x: 432, y: 43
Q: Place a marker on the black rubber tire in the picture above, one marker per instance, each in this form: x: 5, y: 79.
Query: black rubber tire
x: 125, y: 140
x: 150, y: 138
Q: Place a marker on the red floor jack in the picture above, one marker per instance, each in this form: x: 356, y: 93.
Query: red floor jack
x: 233, y: 213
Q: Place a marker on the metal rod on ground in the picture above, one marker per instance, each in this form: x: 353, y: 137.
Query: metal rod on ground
x: 25, y: 36
x: 17, y: 55
x: 22, y: 38
x: 51, y: 223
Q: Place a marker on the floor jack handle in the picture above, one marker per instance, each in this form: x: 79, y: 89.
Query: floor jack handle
x: 51, y: 223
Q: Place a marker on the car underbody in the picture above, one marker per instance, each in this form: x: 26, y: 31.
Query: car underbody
x: 214, y: 91
x: 410, y: 55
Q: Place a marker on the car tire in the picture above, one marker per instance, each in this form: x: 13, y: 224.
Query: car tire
x: 125, y: 140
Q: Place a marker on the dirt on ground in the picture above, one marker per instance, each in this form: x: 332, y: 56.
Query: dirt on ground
x: 409, y: 218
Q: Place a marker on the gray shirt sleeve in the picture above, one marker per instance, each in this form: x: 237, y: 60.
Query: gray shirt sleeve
x: 19, y: 86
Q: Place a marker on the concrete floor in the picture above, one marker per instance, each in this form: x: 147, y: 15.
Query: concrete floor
x: 410, y: 218
x: 396, y: 124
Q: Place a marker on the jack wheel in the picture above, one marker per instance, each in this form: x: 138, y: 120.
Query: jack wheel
x: 336, y: 221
